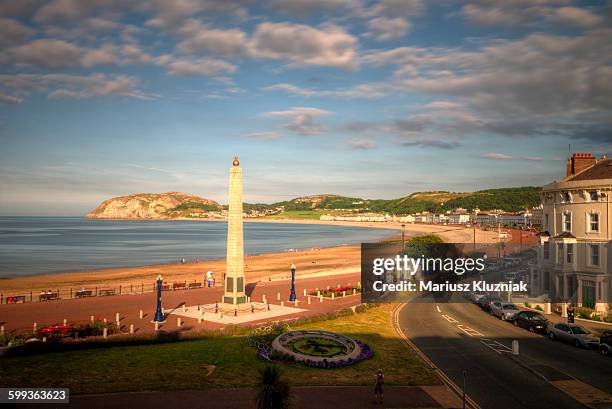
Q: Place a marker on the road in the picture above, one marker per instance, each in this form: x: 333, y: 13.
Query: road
x: 460, y: 336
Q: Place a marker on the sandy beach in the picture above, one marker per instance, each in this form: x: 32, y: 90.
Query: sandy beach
x: 310, y: 263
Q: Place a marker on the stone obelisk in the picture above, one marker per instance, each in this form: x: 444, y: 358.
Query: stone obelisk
x: 234, y: 275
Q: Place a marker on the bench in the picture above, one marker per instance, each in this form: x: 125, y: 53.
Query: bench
x: 165, y: 287
x: 84, y: 293
x: 48, y: 296
x: 57, y: 330
x: 179, y: 286
x: 15, y: 299
x: 106, y: 292
x: 195, y: 285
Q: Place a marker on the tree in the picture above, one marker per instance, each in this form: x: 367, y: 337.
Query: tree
x: 273, y: 392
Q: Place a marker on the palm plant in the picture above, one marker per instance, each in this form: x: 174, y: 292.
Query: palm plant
x: 273, y: 392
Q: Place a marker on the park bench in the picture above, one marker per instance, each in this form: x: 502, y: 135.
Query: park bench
x: 48, y: 296
x: 106, y: 291
x: 84, y: 293
x: 15, y: 299
x: 165, y: 287
x: 179, y: 286
x: 195, y: 285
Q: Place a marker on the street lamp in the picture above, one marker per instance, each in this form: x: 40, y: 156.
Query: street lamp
x: 292, y: 296
x: 403, y: 246
x: 159, y: 315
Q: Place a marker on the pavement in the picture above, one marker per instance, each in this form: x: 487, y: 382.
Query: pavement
x: 459, y: 337
x: 320, y: 397
x: 19, y: 318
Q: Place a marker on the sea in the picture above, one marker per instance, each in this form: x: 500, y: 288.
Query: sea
x: 42, y: 245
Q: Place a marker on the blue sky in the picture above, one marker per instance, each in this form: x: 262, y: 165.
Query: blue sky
x: 373, y: 99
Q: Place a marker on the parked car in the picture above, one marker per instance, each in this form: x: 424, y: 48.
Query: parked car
x: 574, y: 334
x: 531, y: 320
x: 485, y: 301
x: 504, y: 310
x: 475, y: 296
x: 605, y: 343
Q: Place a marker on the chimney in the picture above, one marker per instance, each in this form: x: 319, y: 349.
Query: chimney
x: 579, y: 162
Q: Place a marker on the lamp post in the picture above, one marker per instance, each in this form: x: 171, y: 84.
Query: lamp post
x: 292, y: 296
x: 403, y: 245
x: 159, y: 315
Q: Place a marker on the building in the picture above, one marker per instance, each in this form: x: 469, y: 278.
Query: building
x: 458, y: 218
x: 536, y: 217
x: 574, y: 258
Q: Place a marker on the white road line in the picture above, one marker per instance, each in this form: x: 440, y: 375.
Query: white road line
x: 496, y: 346
x: 438, y: 308
x: 449, y: 318
x: 470, y: 331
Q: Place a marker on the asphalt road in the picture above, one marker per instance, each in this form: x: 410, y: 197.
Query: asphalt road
x: 460, y: 336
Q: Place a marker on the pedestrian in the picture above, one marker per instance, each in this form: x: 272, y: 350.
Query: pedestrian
x: 378, y: 386
x: 570, y: 313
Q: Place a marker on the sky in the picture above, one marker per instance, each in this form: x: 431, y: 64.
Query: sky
x: 372, y: 99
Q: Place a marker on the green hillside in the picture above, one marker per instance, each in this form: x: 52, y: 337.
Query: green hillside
x: 508, y: 199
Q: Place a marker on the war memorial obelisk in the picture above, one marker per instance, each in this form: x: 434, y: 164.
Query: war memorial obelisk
x: 234, y: 273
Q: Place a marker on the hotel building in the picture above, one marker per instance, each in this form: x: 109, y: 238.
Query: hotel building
x: 574, y: 256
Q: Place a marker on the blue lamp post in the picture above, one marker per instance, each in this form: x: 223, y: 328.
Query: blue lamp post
x: 159, y: 315
x: 292, y: 296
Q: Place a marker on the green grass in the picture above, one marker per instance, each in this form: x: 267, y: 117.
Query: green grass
x: 297, y: 214
x: 184, y: 364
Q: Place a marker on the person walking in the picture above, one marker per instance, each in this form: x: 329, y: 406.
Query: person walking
x: 570, y: 313
x: 378, y: 386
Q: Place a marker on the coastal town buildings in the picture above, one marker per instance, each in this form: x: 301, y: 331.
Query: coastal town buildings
x: 574, y: 256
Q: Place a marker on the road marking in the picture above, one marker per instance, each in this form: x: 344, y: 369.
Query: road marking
x: 470, y: 331
x: 471, y: 403
x: 449, y: 318
x: 496, y: 346
x: 438, y: 308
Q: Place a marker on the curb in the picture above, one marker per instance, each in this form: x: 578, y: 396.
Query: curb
x: 443, y: 377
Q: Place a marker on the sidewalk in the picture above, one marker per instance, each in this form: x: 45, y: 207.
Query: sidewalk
x: 320, y: 397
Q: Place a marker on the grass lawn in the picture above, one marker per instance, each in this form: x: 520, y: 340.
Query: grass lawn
x: 183, y: 365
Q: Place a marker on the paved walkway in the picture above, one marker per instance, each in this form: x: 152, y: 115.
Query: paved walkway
x: 333, y: 397
x: 19, y: 318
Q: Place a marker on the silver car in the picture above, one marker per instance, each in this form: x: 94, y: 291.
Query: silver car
x: 504, y: 310
x: 572, y: 333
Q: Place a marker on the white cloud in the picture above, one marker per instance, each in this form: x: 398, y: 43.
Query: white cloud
x: 47, y: 53
x: 301, y: 120
x: 198, y: 37
x: 304, y: 45
x: 302, y: 8
x: 534, y: 158
x: 73, y: 86
x: 576, y: 16
x: 385, y: 29
x: 496, y: 156
x: 361, y: 91
x: 362, y: 144
x: 211, y: 67
x: 13, y: 32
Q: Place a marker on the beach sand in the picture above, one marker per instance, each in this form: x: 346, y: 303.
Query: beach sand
x: 272, y: 266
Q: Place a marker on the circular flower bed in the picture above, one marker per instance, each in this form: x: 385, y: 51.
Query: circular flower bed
x: 320, y: 349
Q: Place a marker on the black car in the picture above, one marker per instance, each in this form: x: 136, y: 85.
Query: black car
x: 605, y: 343
x: 531, y: 320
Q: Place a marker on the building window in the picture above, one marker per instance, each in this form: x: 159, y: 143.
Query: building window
x: 546, y: 250
x: 594, y: 222
x: 567, y: 197
x: 567, y: 222
x: 594, y: 196
x: 559, y: 253
x: 569, y: 255
x: 594, y: 254
x: 546, y: 221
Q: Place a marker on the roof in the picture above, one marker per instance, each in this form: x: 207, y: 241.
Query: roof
x: 544, y: 234
x: 565, y: 235
x: 601, y: 170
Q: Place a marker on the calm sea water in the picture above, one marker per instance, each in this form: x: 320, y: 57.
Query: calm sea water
x: 37, y: 245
